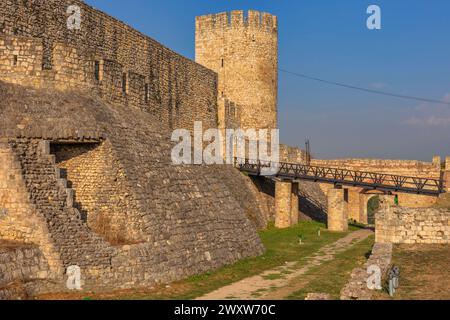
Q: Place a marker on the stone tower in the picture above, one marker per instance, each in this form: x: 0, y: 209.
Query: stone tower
x: 243, y: 50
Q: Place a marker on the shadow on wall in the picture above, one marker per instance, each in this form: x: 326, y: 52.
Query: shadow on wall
x: 312, y: 200
x: 373, y: 205
x: 89, y: 170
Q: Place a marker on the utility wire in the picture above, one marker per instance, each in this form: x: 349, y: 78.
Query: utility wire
x: 379, y: 92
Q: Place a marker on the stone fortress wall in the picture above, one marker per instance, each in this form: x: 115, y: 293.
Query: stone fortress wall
x: 243, y: 49
x: 107, y: 56
x: 408, y: 168
x: 86, y: 175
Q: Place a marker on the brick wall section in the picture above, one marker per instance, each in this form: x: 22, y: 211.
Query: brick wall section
x: 244, y: 53
x: 413, y: 226
x: 49, y: 54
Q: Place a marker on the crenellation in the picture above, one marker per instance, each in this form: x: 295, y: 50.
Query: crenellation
x: 267, y: 21
x: 237, y: 19
x: 254, y: 19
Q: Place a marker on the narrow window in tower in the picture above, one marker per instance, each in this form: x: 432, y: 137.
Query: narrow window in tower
x: 146, y: 93
x: 97, y: 70
x: 223, y: 63
x: 124, y: 83
x: 15, y: 60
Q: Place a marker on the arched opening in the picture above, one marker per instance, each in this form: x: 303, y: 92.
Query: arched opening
x: 372, y: 207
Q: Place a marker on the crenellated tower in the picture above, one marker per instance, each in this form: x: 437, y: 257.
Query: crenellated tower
x: 243, y: 50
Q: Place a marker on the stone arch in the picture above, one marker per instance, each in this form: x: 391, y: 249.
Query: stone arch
x: 366, y: 196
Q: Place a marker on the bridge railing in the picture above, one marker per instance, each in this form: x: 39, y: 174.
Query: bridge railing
x: 370, y: 180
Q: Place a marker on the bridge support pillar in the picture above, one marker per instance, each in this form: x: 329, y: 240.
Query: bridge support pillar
x: 294, y: 204
x: 283, y: 203
x: 337, y: 210
x: 354, y: 205
x: 447, y: 174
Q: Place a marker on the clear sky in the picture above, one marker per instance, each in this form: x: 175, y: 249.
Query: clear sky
x: 329, y: 39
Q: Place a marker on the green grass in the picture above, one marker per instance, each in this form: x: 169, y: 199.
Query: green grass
x: 281, y: 246
x: 424, y: 272
x: 330, y: 277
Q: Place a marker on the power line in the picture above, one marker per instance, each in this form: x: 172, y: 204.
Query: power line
x: 379, y: 92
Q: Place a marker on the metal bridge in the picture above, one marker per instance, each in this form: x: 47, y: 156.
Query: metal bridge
x: 368, y: 180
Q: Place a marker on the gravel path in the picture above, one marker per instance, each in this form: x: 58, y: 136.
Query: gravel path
x: 275, y: 284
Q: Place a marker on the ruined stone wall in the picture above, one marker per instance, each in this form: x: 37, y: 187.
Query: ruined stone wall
x: 37, y: 48
x: 244, y: 52
x: 356, y: 288
x: 413, y: 225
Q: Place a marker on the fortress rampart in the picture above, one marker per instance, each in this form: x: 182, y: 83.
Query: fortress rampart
x: 409, y: 168
x: 106, y: 56
x: 86, y: 176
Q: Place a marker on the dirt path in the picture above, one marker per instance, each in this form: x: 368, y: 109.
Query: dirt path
x: 276, y: 283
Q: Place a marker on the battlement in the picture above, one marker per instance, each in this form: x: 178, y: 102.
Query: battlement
x: 236, y: 20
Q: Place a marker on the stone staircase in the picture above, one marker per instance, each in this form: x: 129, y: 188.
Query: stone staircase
x: 76, y: 244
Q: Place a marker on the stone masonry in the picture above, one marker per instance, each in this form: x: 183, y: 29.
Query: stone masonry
x: 86, y: 175
x: 413, y: 226
x: 243, y: 50
x: 283, y: 201
x: 37, y: 48
x: 356, y: 288
x: 338, y: 210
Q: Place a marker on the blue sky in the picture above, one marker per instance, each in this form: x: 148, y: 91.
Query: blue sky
x: 329, y: 39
